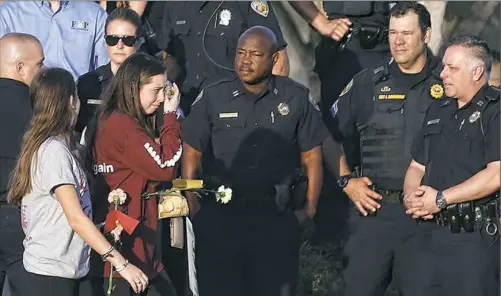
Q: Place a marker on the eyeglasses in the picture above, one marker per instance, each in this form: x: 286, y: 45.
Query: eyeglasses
x: 112, y: 40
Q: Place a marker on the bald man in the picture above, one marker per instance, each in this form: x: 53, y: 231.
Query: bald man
x: 20, y: 59
x: 263, y: 129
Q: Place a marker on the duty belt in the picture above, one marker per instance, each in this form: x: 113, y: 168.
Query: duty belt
x: 389, y: 197
x: 469, y: 217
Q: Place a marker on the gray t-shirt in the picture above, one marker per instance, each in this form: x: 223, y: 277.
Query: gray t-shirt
x: 51, y: 247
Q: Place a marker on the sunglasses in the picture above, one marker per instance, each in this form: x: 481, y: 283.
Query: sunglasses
x: 112, y: 40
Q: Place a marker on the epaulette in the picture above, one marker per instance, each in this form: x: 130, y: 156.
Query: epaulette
x: 381, y: 73
x: 492, y: 93
x: 221, y: 81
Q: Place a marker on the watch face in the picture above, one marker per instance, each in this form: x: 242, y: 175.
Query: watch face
x: 440, y: 201
x: 342, y: 181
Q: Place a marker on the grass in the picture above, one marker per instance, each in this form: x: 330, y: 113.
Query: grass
x: 320, y: 269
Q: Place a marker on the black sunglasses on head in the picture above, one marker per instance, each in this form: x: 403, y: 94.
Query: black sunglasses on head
x: 112, y: 40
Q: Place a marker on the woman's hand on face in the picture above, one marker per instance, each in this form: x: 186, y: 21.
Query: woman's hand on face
x: 172, y: 98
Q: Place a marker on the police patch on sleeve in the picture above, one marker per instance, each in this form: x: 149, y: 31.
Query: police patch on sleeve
x: 347, y: 88
x: 312, y: 101
x: 198, y: 98
x: 260, y: 7
x: 333, y: 109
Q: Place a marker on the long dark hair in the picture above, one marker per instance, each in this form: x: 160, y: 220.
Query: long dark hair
x: 50, y: 93
x: 122, y: 95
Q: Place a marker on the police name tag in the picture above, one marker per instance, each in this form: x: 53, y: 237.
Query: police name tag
x: 228, y: 115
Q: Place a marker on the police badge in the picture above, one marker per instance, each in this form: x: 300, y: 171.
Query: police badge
x: 436, y: 91
x: 283, y: 109
x: 225, y: 17
x: 474, y: 116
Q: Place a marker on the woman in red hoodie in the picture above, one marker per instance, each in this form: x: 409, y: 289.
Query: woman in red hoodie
x: 134, y: 157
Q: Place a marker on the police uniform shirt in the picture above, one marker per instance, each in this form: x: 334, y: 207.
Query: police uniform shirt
x: 15, y: 115
x: 91, y: 87
x: 355, y: 104
x: 183, y: 26
x: 256, y: 139
x: 457, y: 147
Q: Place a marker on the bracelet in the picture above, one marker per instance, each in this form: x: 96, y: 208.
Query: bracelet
x: 123, y: 266
x: 170, y: 112
x: 107, y: 254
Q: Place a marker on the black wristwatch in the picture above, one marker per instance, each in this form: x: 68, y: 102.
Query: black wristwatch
x: 440, y: 200
x: 342, y: 181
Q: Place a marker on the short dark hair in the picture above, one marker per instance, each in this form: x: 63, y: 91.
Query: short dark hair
x: 402, y: 8
x: 124, y: 14
x: 495, y: 57
x: 477, y: 46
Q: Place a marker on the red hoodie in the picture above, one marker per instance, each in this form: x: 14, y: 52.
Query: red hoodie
x: 129, y: 158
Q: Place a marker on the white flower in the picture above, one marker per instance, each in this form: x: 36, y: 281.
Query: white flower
x: 117, y: 196
x: 223, y: 194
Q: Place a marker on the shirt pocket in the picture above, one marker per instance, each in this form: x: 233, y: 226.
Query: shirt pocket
x: 228, y: 133
x: 222, y: 40
x: 469, y: 149
x: 432, y: 134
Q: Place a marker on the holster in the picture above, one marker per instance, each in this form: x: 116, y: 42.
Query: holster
x: 470, y: 217
x: 291, y: 193
x: 371, y: 35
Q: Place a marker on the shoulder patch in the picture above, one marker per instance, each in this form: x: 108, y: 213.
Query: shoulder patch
x: 198, y: 98
x: 312, y: 101
x: 260, y: 7
x: 333, y: 109
x: 346, y: 88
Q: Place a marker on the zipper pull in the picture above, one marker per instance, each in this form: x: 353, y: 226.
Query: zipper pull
x: 272, y: 117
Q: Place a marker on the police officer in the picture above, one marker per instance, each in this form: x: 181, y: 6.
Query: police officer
x: 385, y: 105
x: 262, y: 129
x: 453, y: 180
x: 122, y: 29
x: 21, y: 58
x: 201, y: 38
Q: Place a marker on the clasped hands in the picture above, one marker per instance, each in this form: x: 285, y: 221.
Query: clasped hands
x: 422, y: 203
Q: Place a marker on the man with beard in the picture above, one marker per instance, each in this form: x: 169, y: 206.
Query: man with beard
x: 262, y: 129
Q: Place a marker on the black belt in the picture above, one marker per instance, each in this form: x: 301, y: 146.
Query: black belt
x: 470, y: 217
x: 390, y: 196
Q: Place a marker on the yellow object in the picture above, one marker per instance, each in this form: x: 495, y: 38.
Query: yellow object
x: 173, y: 205
x: 436, y: 91
x: 187, y: 184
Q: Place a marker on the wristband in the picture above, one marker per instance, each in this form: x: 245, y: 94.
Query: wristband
x: 107, y: 254
x: 123, y: 266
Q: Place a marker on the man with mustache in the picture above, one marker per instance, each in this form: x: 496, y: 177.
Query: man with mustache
x: 454, y: 178
x: 262, y: 129
x: 385, y: 105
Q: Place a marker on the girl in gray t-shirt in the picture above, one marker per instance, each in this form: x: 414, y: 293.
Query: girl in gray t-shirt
x: 51, y: 187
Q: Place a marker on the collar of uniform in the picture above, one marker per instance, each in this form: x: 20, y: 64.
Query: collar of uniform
x: 105, y: 72
x: 479, y: 96
x: 7, y: 82
x: 239, y: 88
x: 63, y: 3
